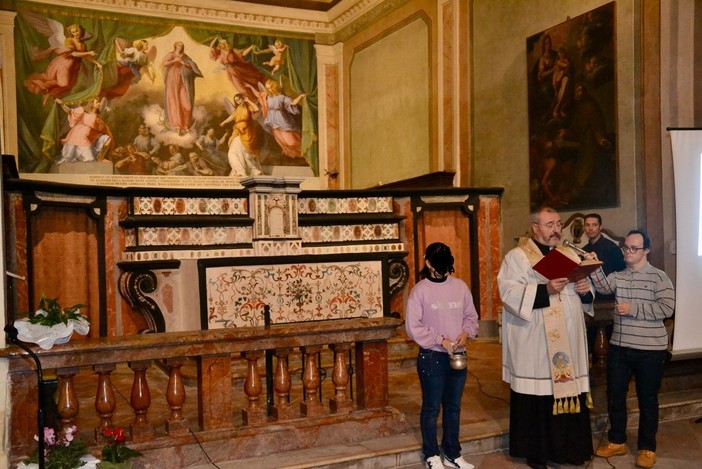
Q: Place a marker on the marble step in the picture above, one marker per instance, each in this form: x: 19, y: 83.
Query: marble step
x: 403, y: 451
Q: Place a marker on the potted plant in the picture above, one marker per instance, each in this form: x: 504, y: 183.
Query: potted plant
x: 115, y: 454
x: 51, y: 324
x: 62, y: 451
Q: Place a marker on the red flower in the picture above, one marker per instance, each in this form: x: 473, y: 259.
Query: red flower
x: 115, y: 450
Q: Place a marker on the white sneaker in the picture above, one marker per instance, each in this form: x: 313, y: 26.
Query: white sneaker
x: 459, y: 462
x: 434, y: 462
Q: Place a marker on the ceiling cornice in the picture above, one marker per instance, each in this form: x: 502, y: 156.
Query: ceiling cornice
x: 239, y: 13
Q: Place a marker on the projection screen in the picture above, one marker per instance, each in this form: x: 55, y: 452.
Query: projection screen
x: 687, y: 170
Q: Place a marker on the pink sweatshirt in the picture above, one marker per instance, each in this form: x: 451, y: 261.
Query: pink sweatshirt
x: 440, y: 309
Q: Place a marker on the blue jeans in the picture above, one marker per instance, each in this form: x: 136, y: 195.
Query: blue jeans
x: 442, y: 386
x: 646, y: 366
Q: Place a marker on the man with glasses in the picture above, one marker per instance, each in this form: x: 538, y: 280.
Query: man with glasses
x: 544, y: 352
x: 611, y: 255
x: 644, y: 298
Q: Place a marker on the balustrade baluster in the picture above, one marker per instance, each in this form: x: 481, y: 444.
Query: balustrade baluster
x: 67, y: 400
x: 358, y: 389
x: 254, y: 413
x: 105, y: 402
x: 282, y: 383
x: 140, y: 401
x: 175, y: 395
x: 311, y: 406
x: 341, y: 403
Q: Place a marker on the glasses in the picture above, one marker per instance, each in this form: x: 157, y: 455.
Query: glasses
x: 631, y: 249
x: 552, y: 225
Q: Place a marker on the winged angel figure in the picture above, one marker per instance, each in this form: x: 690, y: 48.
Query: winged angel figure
x: 135, y: 59
x: 68, y: 48
x: 278, y: 48
x: 282, y: 116
x: 247, y: 139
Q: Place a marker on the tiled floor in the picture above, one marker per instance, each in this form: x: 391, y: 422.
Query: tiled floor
x: 484, y: 421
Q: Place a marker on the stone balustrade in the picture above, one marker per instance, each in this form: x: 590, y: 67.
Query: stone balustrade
x: 262, y: 353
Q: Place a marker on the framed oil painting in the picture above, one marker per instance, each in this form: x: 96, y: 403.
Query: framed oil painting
x: 112, y: 99
x: 573, y: 163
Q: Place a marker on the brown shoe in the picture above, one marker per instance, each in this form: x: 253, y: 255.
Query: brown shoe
x: 645, y: 458
x: 610, y: 449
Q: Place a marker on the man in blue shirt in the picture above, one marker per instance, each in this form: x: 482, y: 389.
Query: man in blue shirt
x: 607, y: 251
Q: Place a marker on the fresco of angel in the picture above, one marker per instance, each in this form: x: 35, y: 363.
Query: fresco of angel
x: 278, y: 48
x: 281, y: 116
x: 133, y: 61
x: 89, y: 138
x: 69, y: 49
x: 246, y: 140
x: 240, y: 72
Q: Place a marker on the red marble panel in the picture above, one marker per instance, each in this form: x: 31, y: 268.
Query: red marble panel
x: 112, y: 247
x: 372, y: 374
x: 331, y: 80
x: 17, y: 220
x: 215, y: 397
x: 483, y: 259
x: 23, y: 419
x: 495, y: 253
x: 452, y: 227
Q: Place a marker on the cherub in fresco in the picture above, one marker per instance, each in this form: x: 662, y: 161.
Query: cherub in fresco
x: 134, y: 60
x: 68, y: 47
x: 278, y: 48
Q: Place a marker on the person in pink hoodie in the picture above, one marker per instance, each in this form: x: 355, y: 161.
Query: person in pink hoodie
x: 440, y: 317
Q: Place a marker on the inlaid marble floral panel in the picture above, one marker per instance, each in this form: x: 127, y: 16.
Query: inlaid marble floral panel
x: 338, y: 233
x: 329, y: 205
x: 236, y: 295
x: 193, y: 236
x: 190, y: 206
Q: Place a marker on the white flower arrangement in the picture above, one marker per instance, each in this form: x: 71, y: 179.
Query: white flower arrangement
x: 51, y: 324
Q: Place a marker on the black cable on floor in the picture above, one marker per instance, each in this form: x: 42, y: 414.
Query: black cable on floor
x: 203, y: 450
x: 480, y: 388
x: 599, y: 443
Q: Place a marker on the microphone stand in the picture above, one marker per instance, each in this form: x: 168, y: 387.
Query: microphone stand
x: 12, y: 332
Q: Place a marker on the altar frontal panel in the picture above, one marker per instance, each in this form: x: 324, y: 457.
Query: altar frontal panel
x: 236, y: 296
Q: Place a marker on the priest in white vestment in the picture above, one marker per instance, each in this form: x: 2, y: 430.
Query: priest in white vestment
x: 544, y: 352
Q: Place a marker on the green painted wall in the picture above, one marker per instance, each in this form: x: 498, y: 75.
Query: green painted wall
x: 390, y: 108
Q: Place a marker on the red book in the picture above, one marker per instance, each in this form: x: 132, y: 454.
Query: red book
x: 555, y: 264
